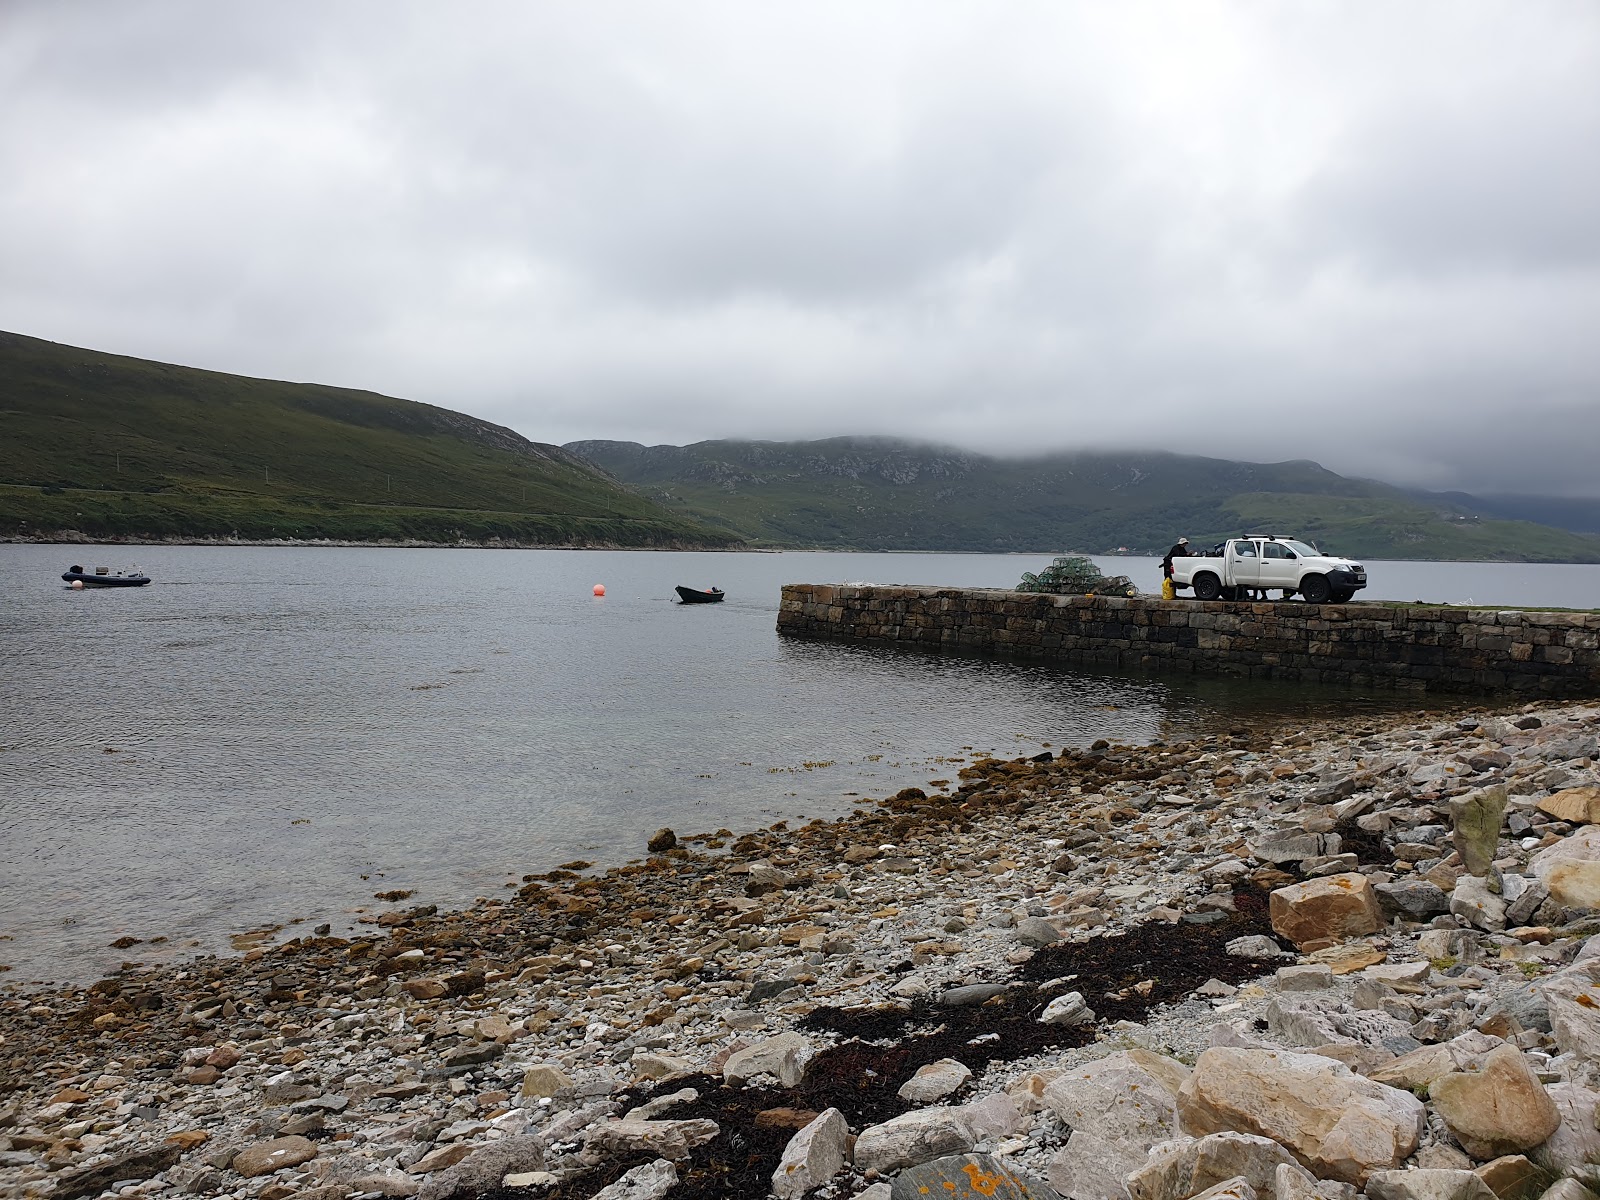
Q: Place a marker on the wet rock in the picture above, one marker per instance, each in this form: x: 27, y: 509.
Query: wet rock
x: 1501, y: 1109
x: 935, y: 1081
x: 784, y: 1056
x: 1339, y: 1124
x: 919, y: 1136
x: 813, y: 1156
x: 1323, y: 911
x: 1427, y: 1185
x: 266, y: 1157
x: 649, y: 1181
x: 969, y: 1177
x: 661, y: 840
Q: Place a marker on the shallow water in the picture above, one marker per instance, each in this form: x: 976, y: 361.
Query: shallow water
x: 274, y: 733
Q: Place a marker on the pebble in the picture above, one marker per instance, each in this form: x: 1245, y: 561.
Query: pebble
x: 503, y: 1033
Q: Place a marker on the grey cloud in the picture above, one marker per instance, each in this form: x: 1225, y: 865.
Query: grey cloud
x: 1363, y: 236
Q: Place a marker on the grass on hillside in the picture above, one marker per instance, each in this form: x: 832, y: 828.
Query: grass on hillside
x: 137, y: 516
x: 159, y: 450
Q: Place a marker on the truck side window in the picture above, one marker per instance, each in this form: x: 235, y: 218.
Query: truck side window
x: 1245, y: 549
x: 1276, y: 551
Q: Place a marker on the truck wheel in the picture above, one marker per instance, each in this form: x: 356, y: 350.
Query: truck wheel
x: 1315, y: 589
x: 1207, y: 586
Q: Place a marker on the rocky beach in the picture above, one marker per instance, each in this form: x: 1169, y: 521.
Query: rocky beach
x: 1280, y: 963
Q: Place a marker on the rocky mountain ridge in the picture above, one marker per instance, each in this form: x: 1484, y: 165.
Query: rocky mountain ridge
x: 889, y: 494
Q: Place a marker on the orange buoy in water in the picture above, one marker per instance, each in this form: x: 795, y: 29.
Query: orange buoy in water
x: 77, y: 585
x: 599, y: 589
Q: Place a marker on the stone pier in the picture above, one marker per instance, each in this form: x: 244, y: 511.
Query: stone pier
x: 1421, y: 648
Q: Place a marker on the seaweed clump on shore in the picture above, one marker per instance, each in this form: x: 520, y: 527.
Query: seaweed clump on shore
x: 885, y: 1045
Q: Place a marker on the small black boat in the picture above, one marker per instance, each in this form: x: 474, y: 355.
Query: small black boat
x: 690, y: 596
x: 104, y: 577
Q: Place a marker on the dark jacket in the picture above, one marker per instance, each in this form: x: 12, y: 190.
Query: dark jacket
x: 1179, y: 551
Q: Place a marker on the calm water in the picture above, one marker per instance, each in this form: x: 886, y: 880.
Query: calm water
x: 265, y: 733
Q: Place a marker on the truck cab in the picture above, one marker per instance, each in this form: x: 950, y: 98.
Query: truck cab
x: 1242, y: 567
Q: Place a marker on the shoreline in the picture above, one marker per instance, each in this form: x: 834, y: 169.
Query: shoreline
x: 519, y: 1026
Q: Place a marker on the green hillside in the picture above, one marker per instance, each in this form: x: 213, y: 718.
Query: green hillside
x: 120, y: 447
x: 883, y: 494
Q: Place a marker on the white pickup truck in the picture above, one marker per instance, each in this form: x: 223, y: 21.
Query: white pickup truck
x: 1242, y: 567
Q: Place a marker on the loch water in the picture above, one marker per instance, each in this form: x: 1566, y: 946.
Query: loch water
x: 268, y: 735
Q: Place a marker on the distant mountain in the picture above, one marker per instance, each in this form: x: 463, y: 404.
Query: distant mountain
x: 124, y: 448
x: 1573, y: 513
x: 886, y: 494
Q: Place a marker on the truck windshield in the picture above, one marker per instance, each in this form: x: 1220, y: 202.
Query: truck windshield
x: 1300, y: 547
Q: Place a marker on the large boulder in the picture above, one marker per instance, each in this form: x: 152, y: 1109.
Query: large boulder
x: 1323, y: 911
x: 485, y: 1167
x: 1571, y: 869
x: 919, y: 1136
x: 1117, y: 1108
x: 1574, y: 1148
x: 1184, y: 1167
x: 1476, y: 818
x: 1580, y: 805
x: 1416, y: 1071
x: 263, y: 1158
x: 935, y: 1081
x: 968, y: 1177
x: 784, y: 1056
x: 813, y: 1156
x: 1427, y: 1184
x: 1335, y: 1122
x: 1572, y: 998
x: 1500, y: 1109
x: 665, y: 1139
x: 1474, y: 903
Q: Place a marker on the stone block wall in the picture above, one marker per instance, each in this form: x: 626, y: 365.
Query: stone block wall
x: 1420, y: 648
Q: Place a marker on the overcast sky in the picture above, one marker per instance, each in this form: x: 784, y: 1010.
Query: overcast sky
x: 1364, y: 233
